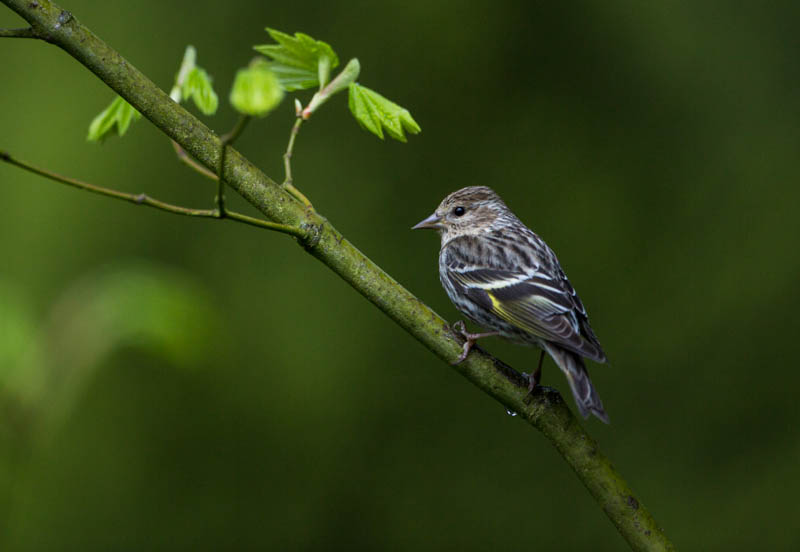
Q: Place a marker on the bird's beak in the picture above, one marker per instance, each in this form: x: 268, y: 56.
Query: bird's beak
x: 432, y: 221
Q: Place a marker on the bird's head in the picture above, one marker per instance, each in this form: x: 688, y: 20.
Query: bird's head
x: 469, y: 211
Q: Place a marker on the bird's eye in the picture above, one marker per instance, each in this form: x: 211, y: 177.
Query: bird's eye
x: 458, y: 211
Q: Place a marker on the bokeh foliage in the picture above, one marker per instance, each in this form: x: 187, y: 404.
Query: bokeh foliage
x: 653, y: 146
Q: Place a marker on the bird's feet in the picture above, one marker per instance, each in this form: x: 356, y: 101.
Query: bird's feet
x: 534, y: 379
x: 469, y: 339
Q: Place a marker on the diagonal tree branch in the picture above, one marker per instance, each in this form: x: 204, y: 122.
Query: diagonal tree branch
x: 546, y: 411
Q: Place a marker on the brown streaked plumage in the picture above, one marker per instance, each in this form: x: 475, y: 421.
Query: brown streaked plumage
x: 503, y: 277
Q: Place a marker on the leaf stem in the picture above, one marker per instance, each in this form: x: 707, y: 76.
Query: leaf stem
x: 144, y: 199
x: 287, y: 165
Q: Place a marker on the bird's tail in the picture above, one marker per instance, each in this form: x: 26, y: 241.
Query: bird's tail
x: 586, y: 398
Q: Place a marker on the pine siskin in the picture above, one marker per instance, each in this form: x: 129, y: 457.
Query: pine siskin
x: 503, y: 277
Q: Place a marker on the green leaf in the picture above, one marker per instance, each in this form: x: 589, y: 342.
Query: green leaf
x: 294, y: 78
x: 256, y: 90
x: 375, y: 113
x: 126, y: 116
x: 195, y: 83
x: 119, y: 113
x: 198, y: 88
x: 314, y: 58
x: 188, y: 63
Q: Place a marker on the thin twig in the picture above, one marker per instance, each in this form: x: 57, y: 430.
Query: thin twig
x: 183, y: 157
x: 237, y: 130
x: 287, y: 166
x: 220, y: 197
x: 287, y: 157
x: 225, y: 141
x: 144, y: 199
x: 18, y: 33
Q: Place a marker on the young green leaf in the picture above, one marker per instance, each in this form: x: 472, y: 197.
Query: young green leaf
x: 193, y: 82
x: 198, y: 88
x: 310, y: 60
x: 256, y: 90
x: 188, y: 63
x: 375, y: 113
x: 293, y: 78
x: 119, y: 113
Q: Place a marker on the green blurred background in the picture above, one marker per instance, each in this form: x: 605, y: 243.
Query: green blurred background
x: 168, y: 383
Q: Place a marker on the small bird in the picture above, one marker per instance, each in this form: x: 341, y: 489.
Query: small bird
x: 503, y: 277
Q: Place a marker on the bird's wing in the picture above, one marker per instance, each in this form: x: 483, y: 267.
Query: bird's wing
x: 533, y: 301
